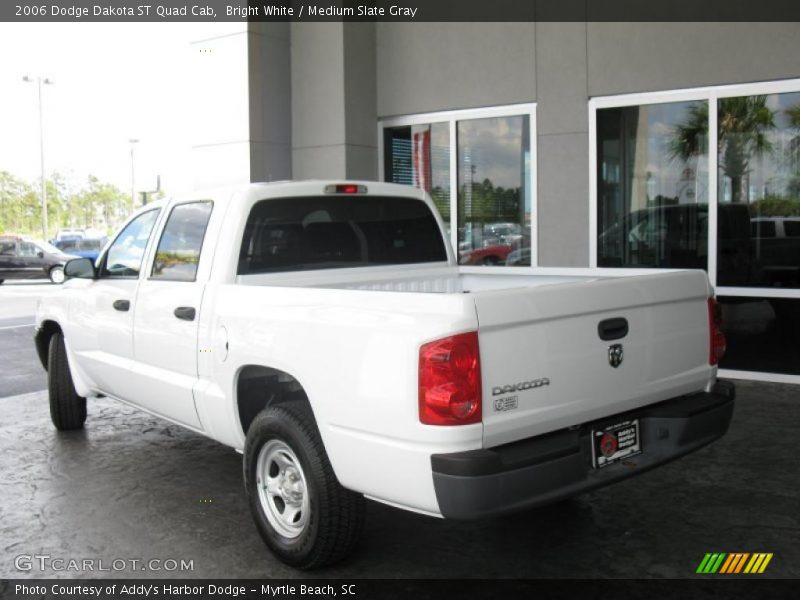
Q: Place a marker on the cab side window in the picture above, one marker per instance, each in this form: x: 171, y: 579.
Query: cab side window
x: 28, y: 250
x: 8, y: 248
x: 124, y: 256
x: 178, y: 252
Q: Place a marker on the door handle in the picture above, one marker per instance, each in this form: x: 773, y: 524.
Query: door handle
x: 613, y: 329
x: 122, y: 305
x: 185, y: 313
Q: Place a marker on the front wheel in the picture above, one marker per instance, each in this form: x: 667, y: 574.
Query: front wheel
x: 303, y: 514
x: 57, y: 274
x: 67, y: 408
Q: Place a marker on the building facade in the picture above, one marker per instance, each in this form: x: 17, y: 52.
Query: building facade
x: 614, y: 145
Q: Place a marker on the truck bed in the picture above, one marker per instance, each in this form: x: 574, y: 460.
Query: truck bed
x: 430, y: 280
x: 545, y: 325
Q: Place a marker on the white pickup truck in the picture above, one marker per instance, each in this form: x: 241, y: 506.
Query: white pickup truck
x: 325, y: 331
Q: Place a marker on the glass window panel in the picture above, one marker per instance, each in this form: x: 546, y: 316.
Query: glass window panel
x: 330, y: 232
x: 178, y: 252
x: 791, y: 227
x: 27, y: 249
x: 763, y: 334
x: 124, y: 257
x: 419, y: 155
x: 759, y: 191
x: 494, y: 197
x: 652, y: 185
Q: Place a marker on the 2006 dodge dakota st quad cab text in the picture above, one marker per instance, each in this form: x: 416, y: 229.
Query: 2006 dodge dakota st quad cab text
x: 326, y: 332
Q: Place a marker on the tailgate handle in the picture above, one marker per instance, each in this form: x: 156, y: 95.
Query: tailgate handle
x: 613, y: 329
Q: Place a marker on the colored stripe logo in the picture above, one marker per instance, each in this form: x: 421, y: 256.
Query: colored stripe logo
x: 734, y: 563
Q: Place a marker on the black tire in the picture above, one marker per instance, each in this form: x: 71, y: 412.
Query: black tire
x: 67, y: 409
x: 336, y: 515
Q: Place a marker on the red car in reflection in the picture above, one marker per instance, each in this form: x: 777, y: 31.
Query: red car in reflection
x: 488, y: 255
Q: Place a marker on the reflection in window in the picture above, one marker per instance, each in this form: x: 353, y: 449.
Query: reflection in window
x: 494, y: 201
x: 652, y: 185
x: 759, y: 189
x: 179, y: 248
x: 763, y: 334
x: 124, y: 258
x: 419, y: 155
x: 493, y: 174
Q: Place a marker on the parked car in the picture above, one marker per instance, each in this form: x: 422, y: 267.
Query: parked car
x: 503, y: 233
x: 325, y: 331
x: 676, y: 237
x: 70, y: 234
x: 519, y: 258
x: 84, y: 247
x: 777, y: 246
x: 488, y: 255
x: 25, y: 258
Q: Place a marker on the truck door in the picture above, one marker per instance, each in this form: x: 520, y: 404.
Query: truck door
x: 101, y: 316
x: 8, y: 259
x: 31, y: 265
x: 166, y: 317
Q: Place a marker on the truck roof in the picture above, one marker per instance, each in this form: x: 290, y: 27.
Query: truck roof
x: 281, y: 189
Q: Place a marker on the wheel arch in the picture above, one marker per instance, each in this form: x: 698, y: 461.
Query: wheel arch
x: 42, y: 339
x: 259, y: 386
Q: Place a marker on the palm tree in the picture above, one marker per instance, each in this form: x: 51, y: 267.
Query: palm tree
x: 743, y: 127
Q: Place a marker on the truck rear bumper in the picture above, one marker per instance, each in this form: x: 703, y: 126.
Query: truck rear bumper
x: 546, y: 468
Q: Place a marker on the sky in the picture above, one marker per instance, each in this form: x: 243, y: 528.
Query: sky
x: 112, y: 82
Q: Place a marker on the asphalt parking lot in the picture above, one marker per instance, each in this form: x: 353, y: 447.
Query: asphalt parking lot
x: 133, y: 487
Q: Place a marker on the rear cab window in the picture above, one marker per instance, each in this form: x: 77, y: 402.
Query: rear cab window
x: 328, y: 232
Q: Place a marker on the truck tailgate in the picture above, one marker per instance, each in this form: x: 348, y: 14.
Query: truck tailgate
x: 544, y: 365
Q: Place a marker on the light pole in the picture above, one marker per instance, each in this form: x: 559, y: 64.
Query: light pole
x: 133, y: 143
x: 40, y: 81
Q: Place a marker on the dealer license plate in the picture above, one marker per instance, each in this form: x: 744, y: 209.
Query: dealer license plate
x: 615, y: 443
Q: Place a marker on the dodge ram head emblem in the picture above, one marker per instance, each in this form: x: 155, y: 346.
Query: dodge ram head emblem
x: 615, y: 355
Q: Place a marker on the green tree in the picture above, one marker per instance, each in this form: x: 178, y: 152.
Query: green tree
x: 743, y: 127
x: 793, y: 114
x: 97, y: 205
x: 12, y: 205
x: 101, y: 205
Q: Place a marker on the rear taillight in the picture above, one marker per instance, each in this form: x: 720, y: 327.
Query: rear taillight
x: 716, y: 337
x: 450, y: 381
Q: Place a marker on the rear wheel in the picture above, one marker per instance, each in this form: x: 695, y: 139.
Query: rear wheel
x: 67, y: 408
x: 57, y: 274
x: 303, y: 514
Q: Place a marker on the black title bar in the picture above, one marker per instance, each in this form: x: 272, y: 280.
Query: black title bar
x: 391, y: 589
x: 398, y: 10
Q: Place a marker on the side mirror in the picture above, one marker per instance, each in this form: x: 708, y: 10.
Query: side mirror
x: 40, y: 254
x: 81, y: 268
